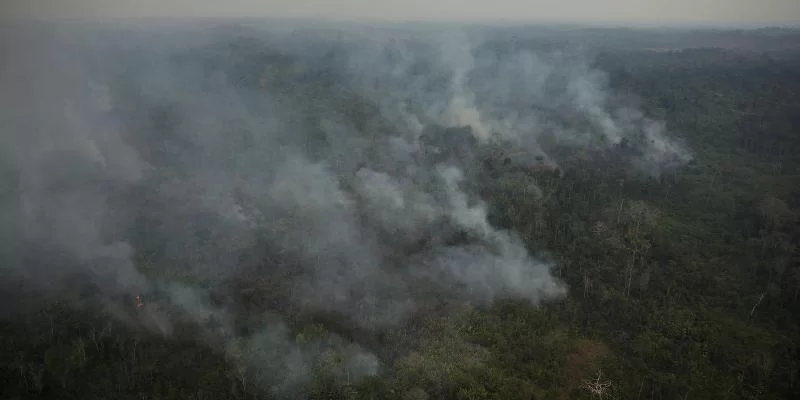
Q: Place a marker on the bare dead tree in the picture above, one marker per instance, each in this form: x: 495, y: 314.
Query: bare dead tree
x: 760, y: 298
x: 597, y: 387
x: 587, y: 284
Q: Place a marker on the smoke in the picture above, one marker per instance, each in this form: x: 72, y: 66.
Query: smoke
x: 68, y: 163
x: 329, y: 173
x: 522, y: 95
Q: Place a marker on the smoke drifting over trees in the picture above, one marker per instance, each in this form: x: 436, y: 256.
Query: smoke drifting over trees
x: 341, y: 170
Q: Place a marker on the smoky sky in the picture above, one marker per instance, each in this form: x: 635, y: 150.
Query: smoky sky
x: 675, y: 11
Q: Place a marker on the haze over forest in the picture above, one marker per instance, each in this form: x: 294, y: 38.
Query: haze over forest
x: 266, y: 207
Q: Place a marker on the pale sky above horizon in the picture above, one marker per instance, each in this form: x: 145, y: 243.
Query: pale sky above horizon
x: 636, y: 11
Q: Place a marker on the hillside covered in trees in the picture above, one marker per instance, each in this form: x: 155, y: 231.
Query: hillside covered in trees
x: 393, y: 213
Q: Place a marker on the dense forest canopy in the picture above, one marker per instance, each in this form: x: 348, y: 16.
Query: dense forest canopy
x: 254, y: 211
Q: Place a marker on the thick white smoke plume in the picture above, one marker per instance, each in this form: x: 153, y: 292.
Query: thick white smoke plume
x: 518, y: 94
x: 330, y: 173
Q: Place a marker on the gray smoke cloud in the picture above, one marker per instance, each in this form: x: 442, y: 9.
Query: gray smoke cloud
x: 525, y: 96
x: 332, y: 173
x: 67, y: 163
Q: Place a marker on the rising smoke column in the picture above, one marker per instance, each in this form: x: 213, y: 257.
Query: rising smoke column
x: 520, y: 95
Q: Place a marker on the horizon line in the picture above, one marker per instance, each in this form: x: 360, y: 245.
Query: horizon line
x: 505, y: 22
